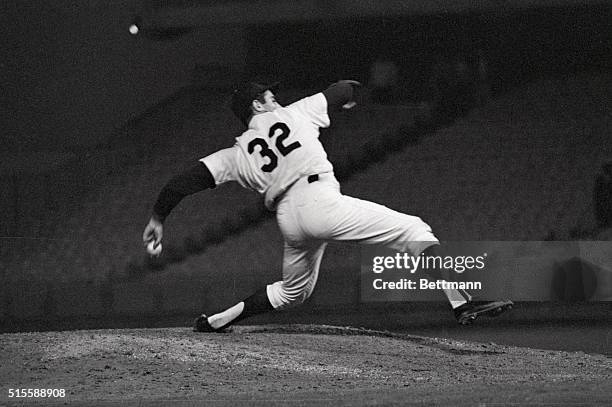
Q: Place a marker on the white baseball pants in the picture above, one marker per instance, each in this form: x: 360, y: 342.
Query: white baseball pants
x: 311, y: 214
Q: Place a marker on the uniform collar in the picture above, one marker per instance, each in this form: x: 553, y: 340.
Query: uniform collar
x: 255, y: 119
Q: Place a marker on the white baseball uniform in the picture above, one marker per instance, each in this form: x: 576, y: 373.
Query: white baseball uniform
x: 276, y: 157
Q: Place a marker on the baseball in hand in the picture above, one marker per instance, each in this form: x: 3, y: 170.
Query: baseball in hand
x: 152, y: 250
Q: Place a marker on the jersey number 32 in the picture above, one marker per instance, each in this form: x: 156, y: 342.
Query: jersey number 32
x: 264, y: 148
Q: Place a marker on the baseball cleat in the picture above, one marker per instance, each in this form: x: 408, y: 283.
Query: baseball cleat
x: 468, y: 312
x: 200, y: 324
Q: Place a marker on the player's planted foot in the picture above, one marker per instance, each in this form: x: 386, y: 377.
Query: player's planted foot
x: 255, y: 304
x: 468, y: 312
x: 200, y: 324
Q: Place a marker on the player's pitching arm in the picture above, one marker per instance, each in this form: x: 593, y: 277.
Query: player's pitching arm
x: 194, y: 179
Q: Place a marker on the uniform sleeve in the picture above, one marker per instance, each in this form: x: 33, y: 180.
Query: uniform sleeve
x: 314, y: 108
x: 195, y: 179
x: 222, y: 165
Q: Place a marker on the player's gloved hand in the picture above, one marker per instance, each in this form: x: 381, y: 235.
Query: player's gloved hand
x: 351, y: 103
x: 154, y: 231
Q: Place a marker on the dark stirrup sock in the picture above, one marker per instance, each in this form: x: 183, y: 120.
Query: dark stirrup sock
x: 258, y: 303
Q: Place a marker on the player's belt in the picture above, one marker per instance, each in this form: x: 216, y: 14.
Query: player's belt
x: 313, y: 178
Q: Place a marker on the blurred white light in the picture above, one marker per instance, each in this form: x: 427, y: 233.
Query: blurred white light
x: 133, y: 29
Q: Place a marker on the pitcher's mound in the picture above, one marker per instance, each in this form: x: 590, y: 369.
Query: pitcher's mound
x: 309, y: 364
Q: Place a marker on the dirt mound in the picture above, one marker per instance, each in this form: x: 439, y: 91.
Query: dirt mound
x: 317, y: 364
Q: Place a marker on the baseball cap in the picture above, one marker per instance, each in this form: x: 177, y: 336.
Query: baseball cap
x: 245, y: 93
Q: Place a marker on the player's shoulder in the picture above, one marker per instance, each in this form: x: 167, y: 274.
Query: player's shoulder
x: 312, y: 108
x: 254, y: 131
x: 251, y: 131
x: 315, y: 100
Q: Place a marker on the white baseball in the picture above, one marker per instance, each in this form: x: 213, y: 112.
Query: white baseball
x: 152, y: 250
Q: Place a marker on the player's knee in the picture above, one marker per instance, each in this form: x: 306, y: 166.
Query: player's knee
x: 282, y: 296
x: 421, y: 224
x: 417, y: 230
x: 295, y: 296
x: 292, y: 296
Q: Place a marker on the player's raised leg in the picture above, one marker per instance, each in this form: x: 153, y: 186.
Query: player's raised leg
x: 367, y: 222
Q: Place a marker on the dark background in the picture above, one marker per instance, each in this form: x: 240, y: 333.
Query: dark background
x: 73, y: 76
x: 520, y: 45
x: 95, y: 120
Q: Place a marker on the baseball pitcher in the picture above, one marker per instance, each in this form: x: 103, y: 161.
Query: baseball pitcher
x: 280, y: 156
